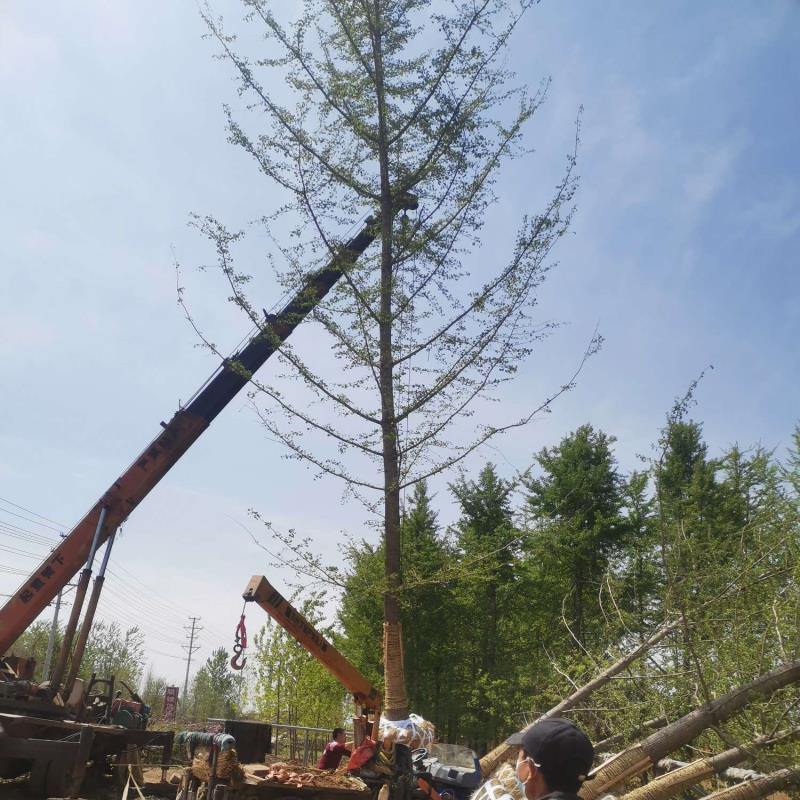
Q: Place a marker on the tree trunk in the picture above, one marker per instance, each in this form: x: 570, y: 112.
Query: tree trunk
x: 692, y: 774
x: 503, y: 752
x: 394, y: 670
x: 640, y: 757
x: 759, y: 787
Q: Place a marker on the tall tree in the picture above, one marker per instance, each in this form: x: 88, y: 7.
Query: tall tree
x: 390, y: 97
x: 576, y: 503
x: 114, y: 651
x: 425, y: 607
x: 487, y: 592
x: 152, y: 692
x: 640, y: 566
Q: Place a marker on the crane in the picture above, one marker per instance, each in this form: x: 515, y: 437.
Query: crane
x: 443, y: 772
x: 100, y: 523
x: 367, y: 698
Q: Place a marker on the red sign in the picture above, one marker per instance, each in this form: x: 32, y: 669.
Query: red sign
x: 170, y: 702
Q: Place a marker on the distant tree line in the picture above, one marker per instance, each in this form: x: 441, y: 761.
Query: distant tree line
x: 545, y: 577
x: 542, y: 580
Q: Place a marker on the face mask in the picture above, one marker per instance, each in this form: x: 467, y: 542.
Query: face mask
x: 520, y: 784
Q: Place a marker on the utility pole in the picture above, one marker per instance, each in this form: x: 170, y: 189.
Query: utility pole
x: 51, y: 639
x: 190, y: 649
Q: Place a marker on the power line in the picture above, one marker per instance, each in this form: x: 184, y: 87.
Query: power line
x: 161, y: 605
x: 122, y: 607
x: 166, y: 655
x: 145, y: 605
x: 11, y: 526
x: 14, y: 570
x: 24, y: 553
x: 35, y: 514
x: 25, y: 537
x: 34, y: 521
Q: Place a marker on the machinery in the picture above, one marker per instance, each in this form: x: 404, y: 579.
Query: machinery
x: 455, y: 770
x: 440, y: 772
x: 108, y: 707
x: 367, y: 698
x: 99, y: 525
x: 64, y: 696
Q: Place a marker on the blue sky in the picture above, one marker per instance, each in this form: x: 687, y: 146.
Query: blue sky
x: 684, y: 251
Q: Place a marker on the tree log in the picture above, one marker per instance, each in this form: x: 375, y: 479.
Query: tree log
x: 612, y: 741
x: 665, y: 786
x: 759, y: 787
x: 642, y: 756
x: 503, y: 752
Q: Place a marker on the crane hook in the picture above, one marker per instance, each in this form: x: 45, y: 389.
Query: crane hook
x: 238, y: 661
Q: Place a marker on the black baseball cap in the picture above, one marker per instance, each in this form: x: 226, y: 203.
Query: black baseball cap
x: 560, y: 749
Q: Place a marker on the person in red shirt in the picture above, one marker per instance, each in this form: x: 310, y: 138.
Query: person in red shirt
x: 335, y: 750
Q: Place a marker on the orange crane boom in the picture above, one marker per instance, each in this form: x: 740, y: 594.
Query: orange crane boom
x: 78, y: 548
x: 261, y: 591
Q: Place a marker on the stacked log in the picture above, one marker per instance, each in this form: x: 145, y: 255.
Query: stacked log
x: 639, y: 758
x: 691, y: 774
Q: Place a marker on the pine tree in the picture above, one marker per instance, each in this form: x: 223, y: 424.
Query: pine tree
x: 487, y: 599
x: 575, y: 505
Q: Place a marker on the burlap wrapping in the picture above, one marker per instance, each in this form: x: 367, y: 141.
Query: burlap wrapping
x: 227, y: 765
x: 670, y: 784
x: 627, y: 764
x: 395, y: 696
x: 413, y: 732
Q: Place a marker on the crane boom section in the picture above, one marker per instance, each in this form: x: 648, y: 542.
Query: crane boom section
x: 261, y: 591
x: 171, y: 443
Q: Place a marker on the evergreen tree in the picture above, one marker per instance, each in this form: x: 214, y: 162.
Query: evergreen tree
x: 638, y: 559
x: 575, y: 505
x: 487, y: 595
x: 425, y: 608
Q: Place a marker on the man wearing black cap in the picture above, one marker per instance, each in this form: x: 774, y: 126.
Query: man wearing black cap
x: 554, y: 759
